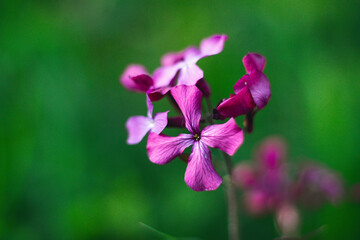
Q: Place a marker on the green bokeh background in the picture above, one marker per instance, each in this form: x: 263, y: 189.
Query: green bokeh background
x: 65, y: 169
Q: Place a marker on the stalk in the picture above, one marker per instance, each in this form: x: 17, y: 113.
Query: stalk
x: 233, y: 220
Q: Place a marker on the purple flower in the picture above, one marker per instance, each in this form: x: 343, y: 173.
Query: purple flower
x: 183, y: 64
x: 252, y: 90
x: 177, y: 68
x: 138, y: 126
x: 200, y: 174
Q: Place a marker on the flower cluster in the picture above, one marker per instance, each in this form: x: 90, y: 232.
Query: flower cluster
x: 182, y: 80
x: 266, y: 183
x: 268, y: 186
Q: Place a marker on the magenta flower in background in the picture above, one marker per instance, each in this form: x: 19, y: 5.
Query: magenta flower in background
x: 184, y: 63
x: 271, y: 153
x: 317, y: 184
x: 200, y: 174
x: 266, y: 184
x: 252, y: 90
x: 138, y: 126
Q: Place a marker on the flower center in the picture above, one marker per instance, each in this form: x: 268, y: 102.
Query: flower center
x: 197, y: 137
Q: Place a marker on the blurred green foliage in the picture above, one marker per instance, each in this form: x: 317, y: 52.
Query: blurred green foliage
x: 65, y: 169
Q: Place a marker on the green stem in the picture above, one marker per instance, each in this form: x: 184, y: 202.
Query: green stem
x: 210, y: 109
x: 233, y: 220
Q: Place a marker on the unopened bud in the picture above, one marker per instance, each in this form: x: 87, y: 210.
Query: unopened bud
x: 288, y: 219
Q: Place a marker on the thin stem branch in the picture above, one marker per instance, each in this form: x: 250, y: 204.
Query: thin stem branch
x: 233, y: 220
x: 210, y: 109
x: 306, y: 236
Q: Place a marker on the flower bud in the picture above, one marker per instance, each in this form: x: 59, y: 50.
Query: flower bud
x: 288, y: 219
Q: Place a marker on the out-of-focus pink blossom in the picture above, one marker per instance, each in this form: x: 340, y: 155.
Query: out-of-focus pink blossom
x: 288, y: 219
x: 255, y: 201
x: 272, y: 152
x: 317, y: 184
x: 244, y: 175
x: 268, y: 187
x: 265, y: 183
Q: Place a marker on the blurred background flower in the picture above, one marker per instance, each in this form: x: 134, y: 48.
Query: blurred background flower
x: 269, y: 186
x: 66, y: 171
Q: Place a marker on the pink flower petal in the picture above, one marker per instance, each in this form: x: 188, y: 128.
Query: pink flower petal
x: 162, y: 149
x: 164, y: 76
x: 237, y: 105
x: 160, y: 122
x: 149, y: 107
x: 137, y: 127
x: 227, y: 137
x: 241, y: 83
x: 157, y: 93
x: 212, y: 45
x: 192, y: 55
x: 272, y: 152
x: 172, y: 58
x: 259, y: 87
x: 143, y: 82
x: 189, y: 75
x: 200, y: 174
x: 132, y: 71
x: 204, y: 87
x: 253, y: 61
x: 189, y: 100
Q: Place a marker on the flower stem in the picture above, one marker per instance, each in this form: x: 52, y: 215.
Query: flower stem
x: 233, y: 220
x: 210, y: 110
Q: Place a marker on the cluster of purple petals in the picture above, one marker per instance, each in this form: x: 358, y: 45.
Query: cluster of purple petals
x: 250, y: 92
x: 268, y: 187
x: 177, y: 68
x: 183, y: 81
